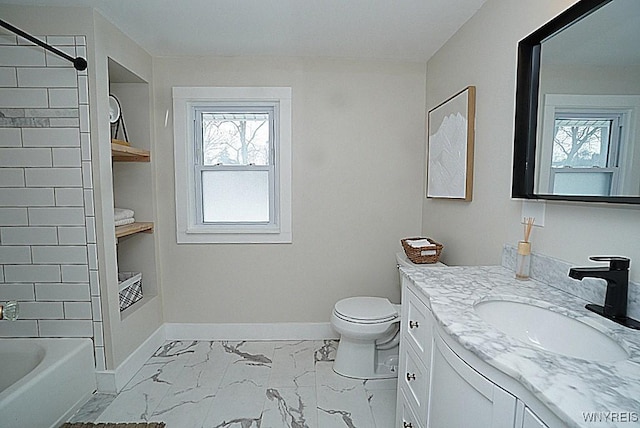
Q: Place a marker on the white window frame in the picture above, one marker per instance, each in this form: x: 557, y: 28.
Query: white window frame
x: 189, y: 229
x: 627, y: 105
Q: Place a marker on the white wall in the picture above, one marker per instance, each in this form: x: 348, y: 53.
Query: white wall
x: 358, y: 150
x: 483, y: 53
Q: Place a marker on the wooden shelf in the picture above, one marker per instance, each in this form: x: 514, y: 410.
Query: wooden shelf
x: 133, y: 228
x: 123, y: 153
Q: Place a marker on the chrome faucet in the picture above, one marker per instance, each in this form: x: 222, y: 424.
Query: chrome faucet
x: 617, y: 277
x: 9, y: 311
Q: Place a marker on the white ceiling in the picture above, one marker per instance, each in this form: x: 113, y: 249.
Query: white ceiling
x: 383, y: 29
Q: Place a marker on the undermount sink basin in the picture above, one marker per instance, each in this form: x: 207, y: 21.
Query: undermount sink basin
x: 549, y: 330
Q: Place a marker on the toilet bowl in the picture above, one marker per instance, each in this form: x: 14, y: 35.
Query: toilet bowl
x: 369, y: 329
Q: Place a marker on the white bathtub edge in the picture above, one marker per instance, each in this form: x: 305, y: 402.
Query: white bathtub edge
x: 112, y: 381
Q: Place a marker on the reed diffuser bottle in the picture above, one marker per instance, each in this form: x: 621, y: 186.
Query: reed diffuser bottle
x: 523, y: 257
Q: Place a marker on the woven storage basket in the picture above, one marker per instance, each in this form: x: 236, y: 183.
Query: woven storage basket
x: 415, y: 254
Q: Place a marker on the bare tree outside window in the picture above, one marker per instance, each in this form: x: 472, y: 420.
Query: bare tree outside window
x: 581, y: 143
x: 235, y: 138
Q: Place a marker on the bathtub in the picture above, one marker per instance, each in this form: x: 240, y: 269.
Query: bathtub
x: 43, y: 381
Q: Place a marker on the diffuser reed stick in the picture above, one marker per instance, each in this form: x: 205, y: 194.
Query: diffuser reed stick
x: 528, y: 224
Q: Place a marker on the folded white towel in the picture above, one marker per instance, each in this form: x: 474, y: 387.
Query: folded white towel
x: 417, y: 243
x: 122, y: 213
x: 125, y: 221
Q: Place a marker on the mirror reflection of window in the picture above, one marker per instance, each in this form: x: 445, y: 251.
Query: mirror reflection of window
x: 585, y: 153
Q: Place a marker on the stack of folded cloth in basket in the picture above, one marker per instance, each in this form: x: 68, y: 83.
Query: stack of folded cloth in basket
x: 123, y: 216
x: 429, y: 248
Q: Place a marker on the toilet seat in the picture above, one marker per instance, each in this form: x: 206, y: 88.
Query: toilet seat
x: 365, y: 310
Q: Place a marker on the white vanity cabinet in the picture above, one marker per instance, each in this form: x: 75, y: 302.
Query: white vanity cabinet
x: 439, y: 389
x: 463, y: 398
x: 414, y: 368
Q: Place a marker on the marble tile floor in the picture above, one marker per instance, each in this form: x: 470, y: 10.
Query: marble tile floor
x: 256, y: 384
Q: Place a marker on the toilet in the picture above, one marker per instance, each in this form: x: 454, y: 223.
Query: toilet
x: 369, y: 329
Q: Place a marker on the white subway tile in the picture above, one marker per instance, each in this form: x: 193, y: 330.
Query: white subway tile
x: 26, y: 197
x: 69, y: 197
x: 88, y: 202
x: 47, y: 77
x: 32, y: 273
x: 98, y: 337
x: 62, y: 42
x: 23, y: 97
x: 72, y: 236
x: 54, y: 60
x: 101, y: 364
x: 62, y: 254
x: 19, y: 328
x: 87, y: 176
x: 25, y: 157
x: 48, y: 137
x: 11, y: 177
x: 14, y: 255
x: 63, y: 292
x: 57, y: 216
x: 84, y: 118
x: 64, y: 122
x: 77, y: 310
x: 22, y: 292
x: 85, y: 146
x: 75, y: 273
x: 83, y: 90
x: 28, y: 235
x: 94, y: 282
x: 91, y: 230
x: 10, y: 137
x: 65, y: 328
x: 41, y: 310
x: 13, y: 217
x: 8, y: 39
x: 8, y: 77
x: 92, y: 252
x: 66, y: 97
x: 53, y: 177
x: 1, y: 274
x: 96, y: 308
x: 17, y: 56
x: 66, y: 157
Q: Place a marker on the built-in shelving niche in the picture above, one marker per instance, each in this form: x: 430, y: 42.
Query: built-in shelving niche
x: 133, y: 180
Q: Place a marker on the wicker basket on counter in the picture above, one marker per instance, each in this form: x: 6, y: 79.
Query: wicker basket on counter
x: 416, y: 254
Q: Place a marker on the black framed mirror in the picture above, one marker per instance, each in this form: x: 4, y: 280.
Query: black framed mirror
x: 577, y: 117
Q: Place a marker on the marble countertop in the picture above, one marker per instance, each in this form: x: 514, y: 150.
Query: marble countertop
x: 567, y: 386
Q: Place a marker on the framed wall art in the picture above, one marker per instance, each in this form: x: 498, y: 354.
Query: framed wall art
x: 450, y: 147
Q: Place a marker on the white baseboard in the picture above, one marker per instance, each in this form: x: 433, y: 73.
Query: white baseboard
x: 250, y: 331
x: 112, y: 381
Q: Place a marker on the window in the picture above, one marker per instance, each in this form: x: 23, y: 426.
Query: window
x: 585, y: 153
x: 233, y: 164
x: 584, y: 145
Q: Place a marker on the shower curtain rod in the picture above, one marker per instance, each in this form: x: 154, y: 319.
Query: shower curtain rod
x: 79, y: 63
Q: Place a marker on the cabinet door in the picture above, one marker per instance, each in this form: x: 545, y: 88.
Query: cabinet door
x: 414, y: 383
x: 418, y: 326
x: 462, y: 398
x: 406, y: 416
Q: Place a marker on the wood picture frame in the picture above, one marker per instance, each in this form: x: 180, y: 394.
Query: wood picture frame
x: 450, y: 145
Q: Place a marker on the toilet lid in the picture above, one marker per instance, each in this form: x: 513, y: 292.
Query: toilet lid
x: 366, y: 309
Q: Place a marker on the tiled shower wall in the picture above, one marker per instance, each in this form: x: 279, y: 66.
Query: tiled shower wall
x: 48, y: 258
